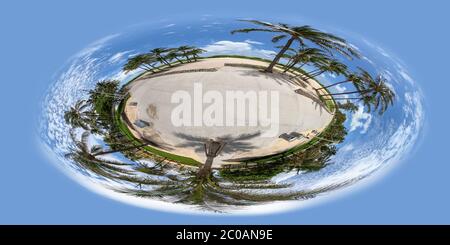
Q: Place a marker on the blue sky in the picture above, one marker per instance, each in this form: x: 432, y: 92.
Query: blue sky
x: 41, y: 36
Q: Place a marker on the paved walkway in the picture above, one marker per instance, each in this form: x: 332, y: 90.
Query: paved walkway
x: 150, y: 102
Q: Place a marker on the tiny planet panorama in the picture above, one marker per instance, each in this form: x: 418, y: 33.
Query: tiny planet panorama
x: 236, y: 116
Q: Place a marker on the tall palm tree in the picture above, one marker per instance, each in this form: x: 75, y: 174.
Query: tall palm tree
x: 304, y: 56
x: 195, y: 52
x: 85, y: 157
x: 79, y: 115
x: 332, y: 66
x: 100, y: 151
x: 320, y: 60
x: 173, y: 54
x: 159, y: 53
x: 185, y: 51
x: 214, y: 192
x: 143, y: 61
x: 210, y: 191
x: 373, y: 92
x: 348, y: 106
x: 379, y: 94
x: 102, y: 98
x: 300, y: 34
x: 350, y: 77
x: 105, y: 88
x: 212, y: 150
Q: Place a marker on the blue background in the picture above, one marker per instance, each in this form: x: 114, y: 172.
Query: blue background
x: 38, y: 36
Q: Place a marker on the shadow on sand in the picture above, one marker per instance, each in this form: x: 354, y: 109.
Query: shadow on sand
x: 239, y: 143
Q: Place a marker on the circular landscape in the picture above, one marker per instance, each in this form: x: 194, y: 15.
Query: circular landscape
x: 148, y: 109
x: 163, y: 117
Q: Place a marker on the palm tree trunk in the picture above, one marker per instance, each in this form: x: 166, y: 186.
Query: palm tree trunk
x: 315, y: 73
x: 145, y: 67
x: 351, y: 98
x: 353, y: 92
x: 297, y: 67
x: 289, y: 65
x: 164, y: 60
x: 302, y: 76
x: 179, y: 60
x: 293, y: 63
x: 286, y: 66
x: 278, y: 56
x: 334, y: 84
x: 154, y: 68
x: 187, y: 57
x: 205, y: 171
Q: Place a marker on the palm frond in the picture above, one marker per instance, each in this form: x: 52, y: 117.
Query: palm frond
x: 278, y: 38
x: 247, y: 30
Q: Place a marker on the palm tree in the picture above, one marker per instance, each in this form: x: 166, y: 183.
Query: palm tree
x: 185, y: 51
x: 102, y: 98
x: 300, y: 34
x: 159, y: 54
x: 372, y: 92
x: 304, y: 56
x: 320, y: 60
x: 348, y: 106
x: 213, y: 193
x: 378, y: 93
x: 78, y: 116
x: 85, y: 158
x: 196, y: 52
x: 210, y: 191
x: 350, y: 77
x: 143, y: 61
x: 212, y: 150
x: 173, y: 54
x: 105, y: 88
x: 332, y: 66
x: 100, y: 151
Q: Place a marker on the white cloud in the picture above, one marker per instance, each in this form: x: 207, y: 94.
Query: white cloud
x: 95, y: 46
x: 227, y: 46
x: 348, y: 147
x: 267, y: 53
x: 332, y: 75
x: 253, y: 42
x: 169, y: 33
x: 379, y: 49
x: 118, y: 56
x: 169, y: 25
x: 406, y: 76
x: 383, y: 52
x: 340, y: 89
x: 241, y: 48
x: 120, y: 76
x: 368, y: 60
x: 360, y: 119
